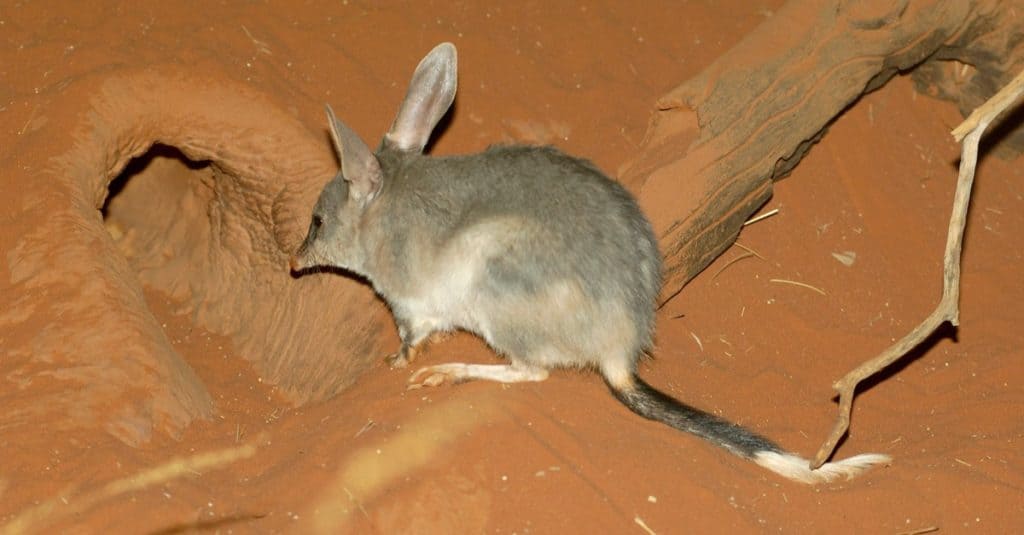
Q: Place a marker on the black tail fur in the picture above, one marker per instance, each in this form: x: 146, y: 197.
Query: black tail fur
x: 644, y: 400
x: 652, y: 404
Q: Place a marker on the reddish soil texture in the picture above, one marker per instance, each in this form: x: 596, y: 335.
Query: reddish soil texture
x: 558, y: 456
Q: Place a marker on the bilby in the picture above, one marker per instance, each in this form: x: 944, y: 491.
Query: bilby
x: 537, y: 252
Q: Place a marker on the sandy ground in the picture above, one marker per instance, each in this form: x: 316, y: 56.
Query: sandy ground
x: 562, y: 456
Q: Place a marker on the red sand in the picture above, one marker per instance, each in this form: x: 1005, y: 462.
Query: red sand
x: 554, y: 457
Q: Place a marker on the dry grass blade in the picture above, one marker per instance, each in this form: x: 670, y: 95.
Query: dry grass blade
x: 749, y: 250
x: 800, y: 284
x: 261, y: 46
x: 643, y: 525
x: 765, y: 215
x: 969, y: 132
x: 731, y: 262
x: 37, y: 517
x: 922, y: 531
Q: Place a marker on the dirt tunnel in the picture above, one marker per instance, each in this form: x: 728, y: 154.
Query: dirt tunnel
x: 198, y: 191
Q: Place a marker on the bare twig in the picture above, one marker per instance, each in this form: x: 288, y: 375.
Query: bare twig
x: 969, y: 134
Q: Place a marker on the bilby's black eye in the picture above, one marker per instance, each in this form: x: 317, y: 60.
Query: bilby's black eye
x: 317, y: 221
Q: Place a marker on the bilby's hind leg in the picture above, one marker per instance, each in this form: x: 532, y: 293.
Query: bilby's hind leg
x: 456, y: 372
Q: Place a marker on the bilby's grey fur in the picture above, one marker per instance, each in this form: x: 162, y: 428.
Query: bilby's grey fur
x: 537, y: 252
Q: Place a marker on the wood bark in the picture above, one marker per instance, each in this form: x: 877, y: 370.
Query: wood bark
x: 750, y: 116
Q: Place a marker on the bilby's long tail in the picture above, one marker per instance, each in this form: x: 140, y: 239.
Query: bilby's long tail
x: 648, y: 402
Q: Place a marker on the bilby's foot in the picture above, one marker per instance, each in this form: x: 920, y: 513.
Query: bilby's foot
x: 456, y: 372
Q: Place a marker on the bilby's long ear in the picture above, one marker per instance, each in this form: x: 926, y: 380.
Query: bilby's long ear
x: 431, y: 93
x: 358, y: 165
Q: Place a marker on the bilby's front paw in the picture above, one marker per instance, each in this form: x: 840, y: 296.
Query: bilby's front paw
x: 402, y: 357
x: 397, y: 360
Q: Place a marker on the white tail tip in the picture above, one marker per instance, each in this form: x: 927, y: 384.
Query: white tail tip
x: 798, y: 469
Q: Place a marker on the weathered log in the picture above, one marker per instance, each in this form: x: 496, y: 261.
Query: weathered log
x: 749, y: 117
